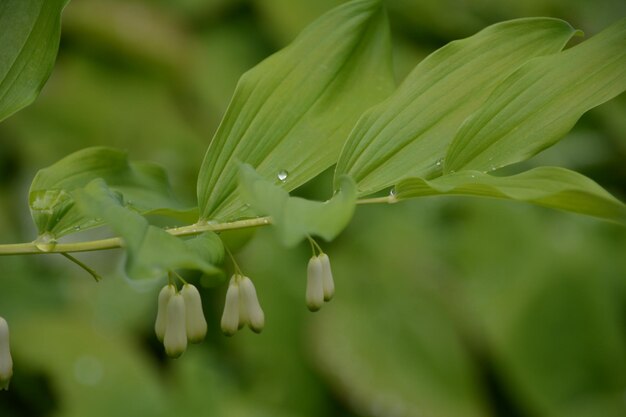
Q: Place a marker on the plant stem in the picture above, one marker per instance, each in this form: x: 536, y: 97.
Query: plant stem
x: 116, y: 242
x: 90, y: 271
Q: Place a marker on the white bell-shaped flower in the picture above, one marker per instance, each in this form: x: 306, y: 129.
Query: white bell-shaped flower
x: 230, y: 316
x: 175, y: 340
x: 195, y: 321
x: 6, y: 362
x: 314, y: 284
x: 253, y: 314
x: 242, y: 307
x: 327, y: 277
x: 161, y: 320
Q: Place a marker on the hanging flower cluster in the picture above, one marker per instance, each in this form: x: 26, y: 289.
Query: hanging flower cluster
x: 320, y: 286
x: 179, y: 318
x: 242, y: 307
x: 6, y: 362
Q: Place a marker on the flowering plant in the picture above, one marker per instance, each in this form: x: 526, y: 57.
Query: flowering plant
x: 328, y: 99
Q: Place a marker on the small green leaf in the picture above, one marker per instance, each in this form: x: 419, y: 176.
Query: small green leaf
x: 151, y: 251
x: 143, y: 185
x: 209, y: 246
x: 408, y: 134
x: 293, y: 111
x: 296, y: 218
x: 29, y: 40
x: 545, y: 186
x: 538, y: 104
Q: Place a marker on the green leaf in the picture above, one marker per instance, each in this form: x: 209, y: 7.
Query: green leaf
x: 293, y: 111
x: 545, y: 186
x: 143, y: 185
x: 408, y: 134
x: 151, y: 251
x: 296, y: 218
x: 29, y: 40
x: 208, y: 246
x: 538, y: 104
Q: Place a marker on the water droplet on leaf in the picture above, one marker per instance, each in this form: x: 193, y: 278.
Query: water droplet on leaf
x: 45, y: 243
x: 282, y: 175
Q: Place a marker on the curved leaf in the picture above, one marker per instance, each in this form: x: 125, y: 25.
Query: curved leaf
x: 29, y: 40
x: 143, y: 185
x: 296, y: 218
x: 293, y: 111
x: 538, y: 104
x: 151, y: 251
x: 408, y: 134
x: 545, y: 186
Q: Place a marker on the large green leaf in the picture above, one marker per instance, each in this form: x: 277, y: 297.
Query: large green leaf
x: 538, y: 104
x: 144, y: 186
x: 545, y: 186
x: 293, y: 111
x: 151, y: 251
x: 408, y: 134
x: 296, y: 218
x: 29, y: 40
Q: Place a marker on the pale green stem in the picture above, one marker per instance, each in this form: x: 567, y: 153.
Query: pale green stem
x: 235, y: 264
x: 314, y: 245
x: 174, y: 274
x: 116, y: 242
x: 90, y: 271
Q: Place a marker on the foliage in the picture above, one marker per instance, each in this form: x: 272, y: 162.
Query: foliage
x: 325, y: 105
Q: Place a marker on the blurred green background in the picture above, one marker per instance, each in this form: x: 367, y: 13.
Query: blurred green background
x: 445, y: 307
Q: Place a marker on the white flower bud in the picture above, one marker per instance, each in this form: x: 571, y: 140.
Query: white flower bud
x: 161, y: 321
x: 230, y: 316
x: 244, y: 317
x: 314, y: 284
x: 327, y: 278
x: 256, y: 318
x: 6, y: 362
x: 196, y: 323
x: 175, y: 340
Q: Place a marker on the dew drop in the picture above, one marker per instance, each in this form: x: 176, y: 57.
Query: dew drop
x: 439, y: 162
x: 45, y: 247
x: 282, y: 175
x: 393, y: 193
x: 45, y: 243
